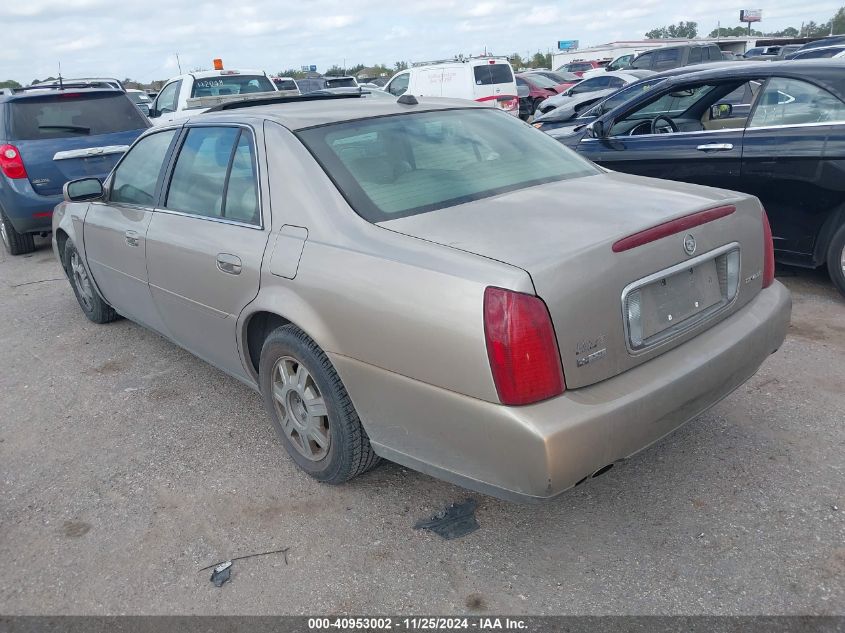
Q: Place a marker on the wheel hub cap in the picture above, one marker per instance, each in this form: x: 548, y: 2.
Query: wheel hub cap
x: 301, y: 409
x: 81, y: 281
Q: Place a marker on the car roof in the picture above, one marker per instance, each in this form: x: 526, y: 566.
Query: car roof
x: 297, y: 113
x: 202, y: 74
x: 830, y: 72
x: 17, y: 94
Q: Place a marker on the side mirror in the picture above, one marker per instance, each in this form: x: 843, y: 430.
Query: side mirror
x: 721, y: 111
x: 597, y: 129
x: 82, y: 190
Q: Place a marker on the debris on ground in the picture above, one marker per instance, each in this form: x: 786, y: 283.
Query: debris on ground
x: 224, y: 565
x: 221, y: 573
x: 453, y: 522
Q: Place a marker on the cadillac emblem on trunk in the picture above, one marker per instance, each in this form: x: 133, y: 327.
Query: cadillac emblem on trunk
x: 689, y: 244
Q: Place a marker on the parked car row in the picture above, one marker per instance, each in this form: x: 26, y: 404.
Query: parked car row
x: 774, y: 130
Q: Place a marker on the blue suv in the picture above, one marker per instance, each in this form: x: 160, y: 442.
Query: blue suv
x: 49, y: 136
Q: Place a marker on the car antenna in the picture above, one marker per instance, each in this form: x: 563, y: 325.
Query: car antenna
x: 61, y: 87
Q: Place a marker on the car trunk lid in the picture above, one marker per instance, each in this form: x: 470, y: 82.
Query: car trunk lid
x: 563, y: 234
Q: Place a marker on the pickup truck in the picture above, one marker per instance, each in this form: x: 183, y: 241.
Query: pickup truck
x: 195, y: 92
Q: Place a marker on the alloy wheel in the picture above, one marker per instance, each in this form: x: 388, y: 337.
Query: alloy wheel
x: 301, y: 409
x: 82, y: 281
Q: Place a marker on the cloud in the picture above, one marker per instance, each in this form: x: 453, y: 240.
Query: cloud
x: 140, y: 38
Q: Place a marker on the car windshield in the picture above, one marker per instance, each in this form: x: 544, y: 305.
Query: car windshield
x: 285, y: 84
x: 401, y: 165
x: 621, y: 96
x: 70, y: 114
x: 230, y: 85
x: 341, y: 82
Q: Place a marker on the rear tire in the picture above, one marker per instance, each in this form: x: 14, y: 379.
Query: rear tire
x: 89, y: 300
x: 311, y: 410
x: 836, y: 259
x: 16, y: 243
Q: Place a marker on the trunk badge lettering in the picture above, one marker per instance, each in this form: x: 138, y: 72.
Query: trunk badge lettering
x: 689, y: 244
x: 590, y: 350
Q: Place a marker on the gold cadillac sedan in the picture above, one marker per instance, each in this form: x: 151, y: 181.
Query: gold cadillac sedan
x: 431, y: 282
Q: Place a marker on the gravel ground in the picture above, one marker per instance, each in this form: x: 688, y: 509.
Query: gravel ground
x: 127, y: 464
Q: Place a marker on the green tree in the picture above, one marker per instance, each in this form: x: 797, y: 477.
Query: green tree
x: 516, y: 60
x: 838, y: 22
x: 398, y: 66
x: 681, y: 30
x: 9, y: 83
x: 540, y: 60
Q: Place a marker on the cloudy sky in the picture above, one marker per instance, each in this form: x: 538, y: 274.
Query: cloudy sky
x: 139, y: 39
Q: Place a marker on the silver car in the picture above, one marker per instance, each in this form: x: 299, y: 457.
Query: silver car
x: 431, y: 282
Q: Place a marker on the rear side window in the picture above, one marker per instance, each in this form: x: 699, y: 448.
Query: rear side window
x: 395, y: 166
x: 136, y: 177
x: 64, y: 115
x: 285, y: 84
x: 487, y: 74
x: 214, y: 175
x: 695, y: 55
x: 643, y: 61
x: 666, y: 58
x: 793, y: 102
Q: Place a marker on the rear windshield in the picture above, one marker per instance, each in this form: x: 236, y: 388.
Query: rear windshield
x: 139, y: 97
x: 541, y: 81
x: 578, y: 67
x: 341, y: 82
x: 69, y: 114
x: 230, y: 85
x: 285, y: 84
x: 401, y: 165
x: 487, y: 74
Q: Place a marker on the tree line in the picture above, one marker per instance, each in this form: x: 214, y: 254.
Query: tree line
x: 689, y: 30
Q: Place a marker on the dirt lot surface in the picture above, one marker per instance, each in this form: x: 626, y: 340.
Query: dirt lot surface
x: 127, y: 464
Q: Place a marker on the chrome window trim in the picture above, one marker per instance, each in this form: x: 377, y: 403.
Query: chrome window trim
x: 693, y: 322
x: 172, y: 168
x: 787, y: 125
x: 209, y: 218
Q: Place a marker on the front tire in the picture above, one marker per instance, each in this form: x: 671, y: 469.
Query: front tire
x: 16, y: 243
x: 311, y: 410
x: 89, y: 300
x: 836, y: 259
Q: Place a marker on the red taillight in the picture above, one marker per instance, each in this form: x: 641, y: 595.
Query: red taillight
x: 11, y: 162
x: 521, y: 346
x: 671, y: 228
x: 768, y: 253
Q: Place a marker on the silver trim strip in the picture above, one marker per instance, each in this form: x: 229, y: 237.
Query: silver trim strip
x: 668, y: 272
x: 90, y: 151
x: 209, y: 218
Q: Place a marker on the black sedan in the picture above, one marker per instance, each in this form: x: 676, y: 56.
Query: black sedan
x: 773, y: 130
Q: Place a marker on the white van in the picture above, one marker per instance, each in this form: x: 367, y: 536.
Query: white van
x: 485, y: 79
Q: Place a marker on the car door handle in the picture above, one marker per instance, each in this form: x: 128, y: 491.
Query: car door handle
x: 715, y: 147
x: 230, y: 264
x: 132, y: 238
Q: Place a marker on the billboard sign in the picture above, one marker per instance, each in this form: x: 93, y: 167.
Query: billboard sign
x: 751, y: 15
x: 567, y: 45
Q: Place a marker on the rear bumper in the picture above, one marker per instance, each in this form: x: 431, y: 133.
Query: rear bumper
x: 534, y: 453
x: 28, y: 211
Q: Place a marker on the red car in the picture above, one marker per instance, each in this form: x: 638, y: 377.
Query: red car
x: 540, y: 88
x: 579, y: 68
